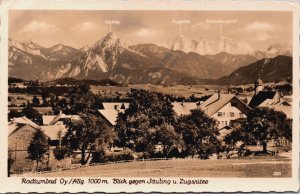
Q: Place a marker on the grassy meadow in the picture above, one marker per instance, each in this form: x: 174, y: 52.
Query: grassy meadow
x: 249, y: 167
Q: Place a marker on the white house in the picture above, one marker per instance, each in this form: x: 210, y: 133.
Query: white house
x: 225, y: 108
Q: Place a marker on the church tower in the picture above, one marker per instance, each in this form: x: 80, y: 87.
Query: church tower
x: 258, y: 86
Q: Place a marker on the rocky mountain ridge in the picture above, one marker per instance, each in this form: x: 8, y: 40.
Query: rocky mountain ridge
x: 111, y: 58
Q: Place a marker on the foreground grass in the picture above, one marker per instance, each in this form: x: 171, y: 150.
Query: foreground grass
x: 260, y: 167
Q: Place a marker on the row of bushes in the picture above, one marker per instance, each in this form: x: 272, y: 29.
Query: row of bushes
x: 102, y: 157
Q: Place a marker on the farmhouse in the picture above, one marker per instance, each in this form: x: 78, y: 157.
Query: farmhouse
x: 111, y: 110
x: 54, y: 124
x: 21, y: 131
x: 225, y: 108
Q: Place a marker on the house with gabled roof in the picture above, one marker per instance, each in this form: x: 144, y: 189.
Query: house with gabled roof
x: 111, y: 111
x: 24, y: 120
x: 20, y: 133
x: 19, y: 138
x: 225, y: 108
x: 53, y: 124
x: 57, y: 119
x: 270, y: 99
x: 262, y: 96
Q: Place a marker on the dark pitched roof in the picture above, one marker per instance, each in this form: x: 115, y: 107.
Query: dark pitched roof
x: 261, y: 97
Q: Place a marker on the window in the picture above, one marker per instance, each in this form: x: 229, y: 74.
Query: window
x: 220, y: 114
x: 225, y: 122
x: 241, y: 115
x: 219, y: 122
x: 231, y: 114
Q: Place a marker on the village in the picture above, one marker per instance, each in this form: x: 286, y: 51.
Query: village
x: 223, y: 112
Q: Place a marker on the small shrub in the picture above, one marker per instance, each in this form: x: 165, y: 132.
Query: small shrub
x: 174, y: 152
x: 98, y: 156
x: 157, y: 155
x: 143, y: 155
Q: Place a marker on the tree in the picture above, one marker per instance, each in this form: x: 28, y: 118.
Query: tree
x: 90, y: 132
x: 13, y: 113
x: 32, y: 114
x: 80, y: 99
x: 38, y: 147
x: 29, y: 112
x: 199, y: 133
x: 45, y: 95
x: 87, y: 135
x: 138, y: 127
x: 60, y: 151
x: 35, y: 101
x: 262, y: 125
x: 10, y: 162
x: 169, y: 138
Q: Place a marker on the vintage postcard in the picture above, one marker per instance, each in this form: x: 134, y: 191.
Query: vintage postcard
x: 161, y: 96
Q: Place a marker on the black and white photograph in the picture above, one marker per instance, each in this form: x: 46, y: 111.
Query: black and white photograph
x: 158, y: 94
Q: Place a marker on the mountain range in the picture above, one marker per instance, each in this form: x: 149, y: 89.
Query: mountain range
x: 111, y: 58
x: 270, y: 69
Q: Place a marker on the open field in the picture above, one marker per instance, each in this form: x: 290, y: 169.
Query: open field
x: 20, y: 99
x: 178, y: 90
x: 256, y: 167
x: 42, y: 110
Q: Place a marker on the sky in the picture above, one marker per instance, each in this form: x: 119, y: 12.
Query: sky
x: 258, y: 29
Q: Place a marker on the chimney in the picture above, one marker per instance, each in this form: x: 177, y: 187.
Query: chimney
x: 60, y: 112
x: 219, y: 94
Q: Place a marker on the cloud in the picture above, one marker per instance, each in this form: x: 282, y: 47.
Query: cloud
x: 259, y: 26
x: 242, y: 48
x: 36, y: 26
x: 262, y: 37
x: 85, y: 26
x: 146, y: 32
